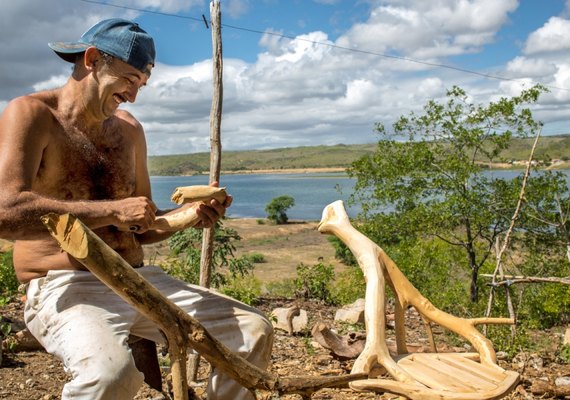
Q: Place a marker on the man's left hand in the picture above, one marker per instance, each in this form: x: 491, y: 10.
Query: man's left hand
x: 211, y: 211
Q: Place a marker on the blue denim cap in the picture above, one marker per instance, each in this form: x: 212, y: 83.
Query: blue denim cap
x: 118, y: 37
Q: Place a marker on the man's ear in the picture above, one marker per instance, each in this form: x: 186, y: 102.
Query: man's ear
x: 91, y: 57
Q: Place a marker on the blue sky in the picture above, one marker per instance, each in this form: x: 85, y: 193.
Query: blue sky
x: 290, y: 18
x: 282, y: 88
x: 529, y: 16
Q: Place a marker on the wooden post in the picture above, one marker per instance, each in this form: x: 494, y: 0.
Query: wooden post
x: 215, y: 142
x: 215, y: 159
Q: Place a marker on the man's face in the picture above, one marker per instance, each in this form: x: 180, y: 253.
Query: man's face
x: 120, y: 83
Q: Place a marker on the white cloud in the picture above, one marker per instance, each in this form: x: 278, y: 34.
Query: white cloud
x: 236, y: 8
x: 53, y: 82
x: 423, y: 29
x: 530, y: 67
x: 553, y: 36
x: 167, y: 6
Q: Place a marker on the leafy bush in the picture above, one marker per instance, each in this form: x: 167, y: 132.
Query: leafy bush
x: 276, y: 209
x: 544, y: 305
x: 348, y: 286
x: 186, y: 248
x: 282, y: 288
x: 564, y: 353
x: 341, y: 251
x: 246, y: 289
x: 255, y: 258
x: 436, y: 269
x: 313, y: 282
x: 185, y: 269
x: 8, y: 282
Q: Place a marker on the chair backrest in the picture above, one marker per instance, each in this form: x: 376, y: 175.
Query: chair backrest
x: 379, y: 270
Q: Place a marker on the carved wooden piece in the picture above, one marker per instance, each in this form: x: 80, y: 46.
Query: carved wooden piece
x: 180, y: 329
x: 340, y: 346
x: 187, y: 217
x: 416, y: 376
x: 186, y: 194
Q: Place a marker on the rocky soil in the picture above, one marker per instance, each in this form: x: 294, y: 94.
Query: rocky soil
x: 26, y: 375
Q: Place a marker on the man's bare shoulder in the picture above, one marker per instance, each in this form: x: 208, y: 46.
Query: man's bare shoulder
x: 129, y: 125
x: 32, y: 107
x: 127, y: 119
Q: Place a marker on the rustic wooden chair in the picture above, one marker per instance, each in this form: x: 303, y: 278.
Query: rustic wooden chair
x: 422, y: 376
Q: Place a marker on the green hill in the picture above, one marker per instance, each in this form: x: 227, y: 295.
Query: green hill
x: 255, y: 160
x: 338, y: 156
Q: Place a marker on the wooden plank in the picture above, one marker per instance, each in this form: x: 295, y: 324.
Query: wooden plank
x: 475, y: 368
x: 468, y: 377
x: 433, y: 378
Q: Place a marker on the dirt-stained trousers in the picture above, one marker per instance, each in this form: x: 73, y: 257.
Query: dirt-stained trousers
x: 86, y: 325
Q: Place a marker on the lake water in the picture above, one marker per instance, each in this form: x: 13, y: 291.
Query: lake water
x: 252, y: 192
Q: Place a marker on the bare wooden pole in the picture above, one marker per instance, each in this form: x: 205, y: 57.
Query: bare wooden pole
x: 215, y: 160
x: 215, y: 142
x: 515, y: 279
x: 501, y: 249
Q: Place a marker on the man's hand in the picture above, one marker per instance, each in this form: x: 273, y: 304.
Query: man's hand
x: 135, y: 214
x: 212, y: 211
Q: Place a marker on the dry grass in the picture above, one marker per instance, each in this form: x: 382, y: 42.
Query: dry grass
x: 283, y: 247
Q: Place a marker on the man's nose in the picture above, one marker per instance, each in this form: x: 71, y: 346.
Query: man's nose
x: 132, y: 92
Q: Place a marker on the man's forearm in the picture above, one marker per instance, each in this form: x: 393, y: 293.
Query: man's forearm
x: 20, y: 216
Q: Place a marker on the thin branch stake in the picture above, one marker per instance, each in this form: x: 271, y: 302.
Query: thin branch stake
x: 506, y: 242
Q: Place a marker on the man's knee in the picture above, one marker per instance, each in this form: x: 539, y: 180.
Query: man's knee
x: 122, y: 371
x: 260, y: 332
x: 110, y: 376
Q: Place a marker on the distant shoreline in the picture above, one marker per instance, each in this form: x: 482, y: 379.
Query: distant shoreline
x: 273, y: 171
x: 284, y: 171
x: 497, y: 166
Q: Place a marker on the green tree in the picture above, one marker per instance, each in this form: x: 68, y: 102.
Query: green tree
x: 547, y: 212
x: 432, y: 182
x: 277, y: 208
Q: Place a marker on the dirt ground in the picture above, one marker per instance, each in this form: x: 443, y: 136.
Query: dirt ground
x: 31, y: 375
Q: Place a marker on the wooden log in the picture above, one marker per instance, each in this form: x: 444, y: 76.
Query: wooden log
x: 208, y: 234
x: 180, y: 329
x: 185, y: 194
x: 543, y: 388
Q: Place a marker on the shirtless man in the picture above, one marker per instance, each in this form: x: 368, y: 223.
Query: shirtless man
x: 72, y: 150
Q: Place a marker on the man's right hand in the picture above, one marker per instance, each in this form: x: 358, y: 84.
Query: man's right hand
x: 135, y: 214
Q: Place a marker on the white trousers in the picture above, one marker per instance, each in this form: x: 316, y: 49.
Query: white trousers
x: 86, y: 325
